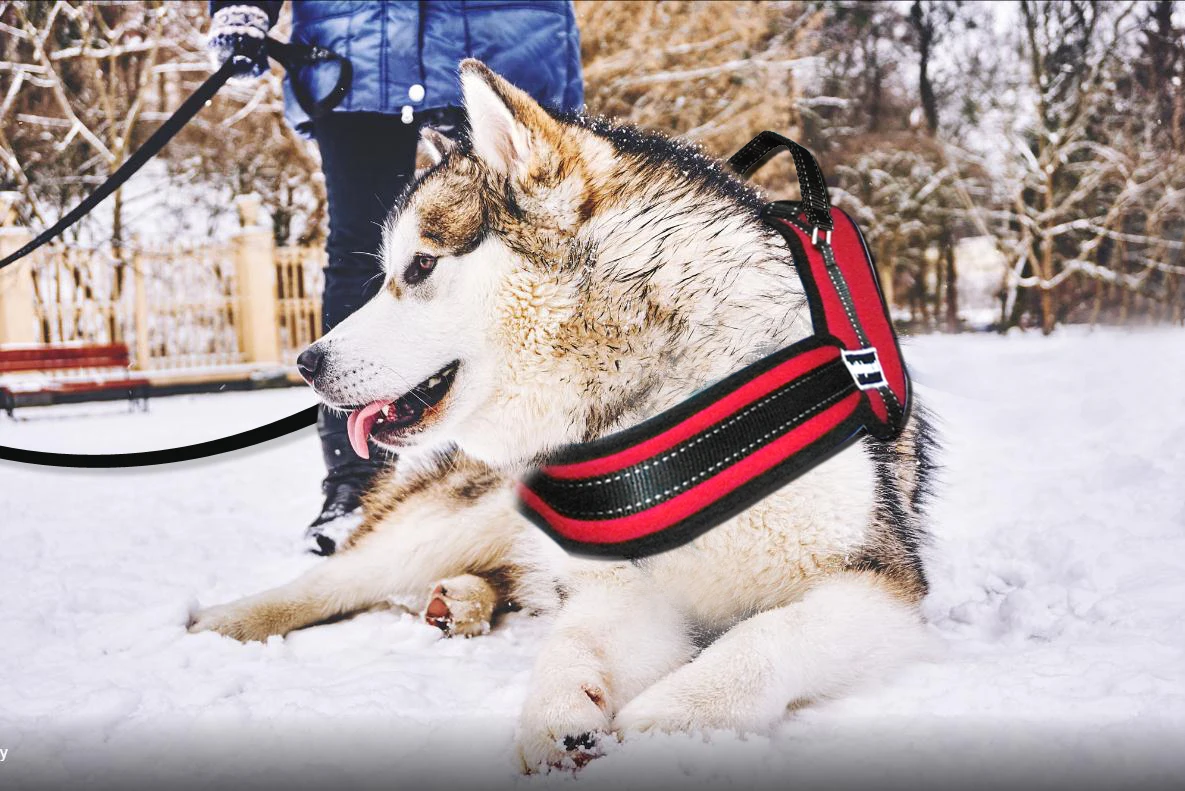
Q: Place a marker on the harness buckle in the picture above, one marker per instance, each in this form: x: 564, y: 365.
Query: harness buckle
x: 865, y: 367
x: 815, y: 236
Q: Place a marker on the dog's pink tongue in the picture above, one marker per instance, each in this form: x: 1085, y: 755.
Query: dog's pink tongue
x: 359, y: 423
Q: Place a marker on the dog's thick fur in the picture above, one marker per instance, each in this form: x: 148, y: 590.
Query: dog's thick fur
x: 588, y: 277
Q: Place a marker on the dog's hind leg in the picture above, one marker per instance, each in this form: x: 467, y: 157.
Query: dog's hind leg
x: 426, y: 540
x: 344, y: 583
x: 849, y: 627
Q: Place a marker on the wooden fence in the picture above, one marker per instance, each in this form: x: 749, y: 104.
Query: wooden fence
x: 181, y: 309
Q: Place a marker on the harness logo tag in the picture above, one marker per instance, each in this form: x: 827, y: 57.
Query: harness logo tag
x: 865, y: 367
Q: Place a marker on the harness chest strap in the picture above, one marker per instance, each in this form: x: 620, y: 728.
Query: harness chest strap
x: 667, y: 480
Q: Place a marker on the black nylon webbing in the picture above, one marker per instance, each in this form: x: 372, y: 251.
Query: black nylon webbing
x: 816, y: 202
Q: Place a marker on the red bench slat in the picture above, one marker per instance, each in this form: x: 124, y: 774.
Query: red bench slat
x: 51, y: 358
x: 85, y: 387
x: 68, y: 358
x: 64, y: 365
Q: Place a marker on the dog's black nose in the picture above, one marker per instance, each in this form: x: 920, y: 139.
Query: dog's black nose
x: 309, y: 362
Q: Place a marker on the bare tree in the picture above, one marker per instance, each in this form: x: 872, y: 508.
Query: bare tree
x: 1089, y: 197
x: 84, y: 83
x: 714, y: 73
x: 1060, y: 135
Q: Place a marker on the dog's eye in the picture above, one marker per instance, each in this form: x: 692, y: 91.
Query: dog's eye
x: 421, y: 266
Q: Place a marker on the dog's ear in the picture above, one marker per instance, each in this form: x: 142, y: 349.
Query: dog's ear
x: 432, y: 147
x: 507, y: 127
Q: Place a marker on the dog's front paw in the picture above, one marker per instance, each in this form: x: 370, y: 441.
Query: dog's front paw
x: 563, y: 729
x: 701, y: 696
x: 462, y: 606
x: 655, y: 710
x: 240, y: 620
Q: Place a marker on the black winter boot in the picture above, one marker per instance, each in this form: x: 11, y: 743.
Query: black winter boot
x: 347, y: 479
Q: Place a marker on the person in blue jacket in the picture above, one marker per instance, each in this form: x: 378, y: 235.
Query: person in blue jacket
x: 405, y: 56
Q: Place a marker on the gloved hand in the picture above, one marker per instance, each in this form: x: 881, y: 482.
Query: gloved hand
x: 238, y: 33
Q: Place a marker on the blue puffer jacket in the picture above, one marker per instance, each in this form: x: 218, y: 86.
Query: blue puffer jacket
x: 405, y: 53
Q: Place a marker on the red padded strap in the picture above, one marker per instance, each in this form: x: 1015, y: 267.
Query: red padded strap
x: 653, y: 520
x: 851, y: 257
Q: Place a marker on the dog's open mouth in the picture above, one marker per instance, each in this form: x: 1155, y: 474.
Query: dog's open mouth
x: 389, y: 421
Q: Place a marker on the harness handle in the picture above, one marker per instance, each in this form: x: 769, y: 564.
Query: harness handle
x: 811, y: 183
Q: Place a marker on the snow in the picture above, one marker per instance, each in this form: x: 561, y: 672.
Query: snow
x: 173, y: 421
x: 1058, y: 611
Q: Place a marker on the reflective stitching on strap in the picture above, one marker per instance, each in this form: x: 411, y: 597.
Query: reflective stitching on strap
x: 811, y: 180
x: 892, y: 403
x: 765, y: 400
x: 637, y: 506
x: 841, y: 288
x: 745, y: 152
x: 845, y: 298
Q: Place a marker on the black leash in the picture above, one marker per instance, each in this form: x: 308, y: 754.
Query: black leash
x: 292, y: 57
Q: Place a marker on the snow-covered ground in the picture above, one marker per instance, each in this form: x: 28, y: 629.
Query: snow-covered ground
x: 1058, y: 601
x: 172, y: 422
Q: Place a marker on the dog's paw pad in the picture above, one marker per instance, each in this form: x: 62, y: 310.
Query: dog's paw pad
x: 563, y: 728
x: 437, y: 612
x: 580, y: 750
x: 566, y: 753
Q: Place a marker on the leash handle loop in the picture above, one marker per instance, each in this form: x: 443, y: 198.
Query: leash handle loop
x: 294, y: 57
x: 816, y: 202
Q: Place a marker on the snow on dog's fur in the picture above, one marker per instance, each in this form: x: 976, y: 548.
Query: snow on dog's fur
x: 550, y: 282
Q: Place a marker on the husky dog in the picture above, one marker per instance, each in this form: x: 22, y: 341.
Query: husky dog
x: 550, y: 281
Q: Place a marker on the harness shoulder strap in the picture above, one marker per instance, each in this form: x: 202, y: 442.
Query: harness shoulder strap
x: 839, y: 279
x: 839, y: 276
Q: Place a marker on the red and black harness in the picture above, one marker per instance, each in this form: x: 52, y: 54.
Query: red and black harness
x: 667, y: 480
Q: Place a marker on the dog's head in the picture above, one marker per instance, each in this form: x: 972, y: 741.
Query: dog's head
x: 491, y: 319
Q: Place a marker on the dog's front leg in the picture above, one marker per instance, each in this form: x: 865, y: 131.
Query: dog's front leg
x: 848, y: 628
x: 614, y: 636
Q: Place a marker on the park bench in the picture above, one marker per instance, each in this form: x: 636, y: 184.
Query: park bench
x: 97, y: 373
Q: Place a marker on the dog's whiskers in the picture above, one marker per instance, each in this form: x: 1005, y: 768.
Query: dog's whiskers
x: 411, y: 390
